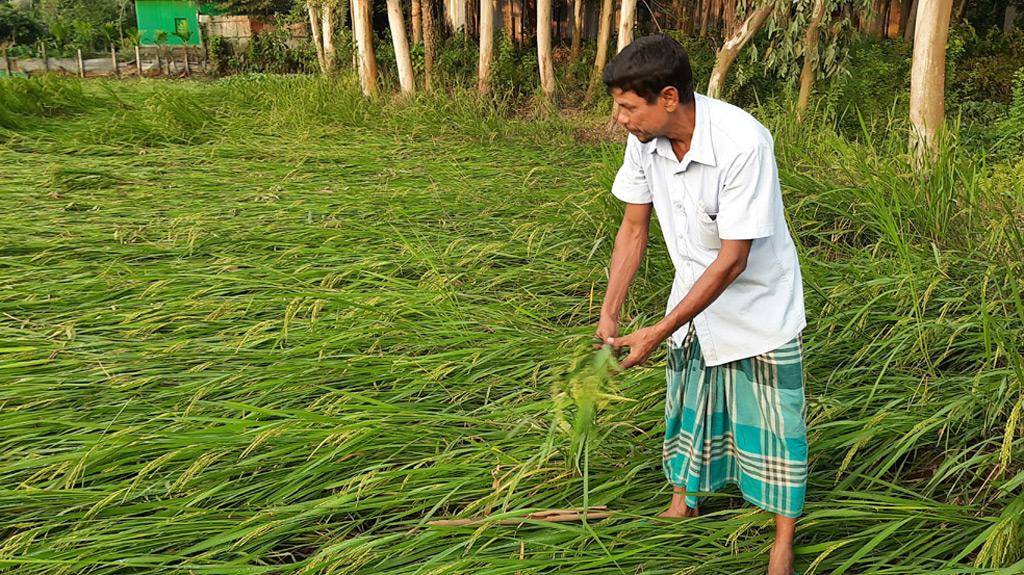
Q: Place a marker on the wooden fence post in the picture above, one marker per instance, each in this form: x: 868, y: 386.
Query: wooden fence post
x: 81, y: 66
x: 138, y: 62
x: 113, y: 61
x: 46, y: 59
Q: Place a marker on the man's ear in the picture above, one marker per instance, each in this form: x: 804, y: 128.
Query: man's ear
x: 670, y: 98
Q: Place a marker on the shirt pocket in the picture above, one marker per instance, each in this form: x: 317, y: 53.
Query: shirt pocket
x: 707, y: 228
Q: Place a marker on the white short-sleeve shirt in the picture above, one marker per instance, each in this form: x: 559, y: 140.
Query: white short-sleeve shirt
x: 725, y: 187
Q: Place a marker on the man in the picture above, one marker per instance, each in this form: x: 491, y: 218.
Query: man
x: 734, y: 407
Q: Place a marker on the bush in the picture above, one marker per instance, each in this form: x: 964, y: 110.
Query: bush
x: 19, y: 26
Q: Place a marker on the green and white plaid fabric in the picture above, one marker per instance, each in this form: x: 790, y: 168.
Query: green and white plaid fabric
x: 741, y: 422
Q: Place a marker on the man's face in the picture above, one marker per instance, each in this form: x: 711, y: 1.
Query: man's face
x: 643, y: 120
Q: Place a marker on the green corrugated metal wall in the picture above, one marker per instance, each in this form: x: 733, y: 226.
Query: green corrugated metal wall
x: 164, y: 15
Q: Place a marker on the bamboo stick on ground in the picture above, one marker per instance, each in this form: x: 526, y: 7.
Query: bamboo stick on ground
x: 552, y: 515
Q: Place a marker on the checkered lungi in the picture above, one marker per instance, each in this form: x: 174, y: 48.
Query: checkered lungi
x: 741, y: 423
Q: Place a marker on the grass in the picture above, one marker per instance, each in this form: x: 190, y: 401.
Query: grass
x: 263, y: 326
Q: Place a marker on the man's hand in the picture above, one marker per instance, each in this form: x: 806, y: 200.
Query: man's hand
x: 607, y: 328
x: 641, y: 344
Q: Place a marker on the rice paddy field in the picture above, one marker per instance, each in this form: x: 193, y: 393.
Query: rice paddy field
x: 263, y: 326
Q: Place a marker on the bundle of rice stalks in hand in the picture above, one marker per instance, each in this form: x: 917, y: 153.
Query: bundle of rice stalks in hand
x: 589, y: 387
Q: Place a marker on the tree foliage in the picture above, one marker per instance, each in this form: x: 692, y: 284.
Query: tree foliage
x: 19, y: 26
x: 255, y: 7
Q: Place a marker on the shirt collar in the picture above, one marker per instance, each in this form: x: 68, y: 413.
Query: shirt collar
x: 701, y: 149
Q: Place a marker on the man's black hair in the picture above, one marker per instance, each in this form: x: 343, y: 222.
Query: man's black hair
x: 650, y: 64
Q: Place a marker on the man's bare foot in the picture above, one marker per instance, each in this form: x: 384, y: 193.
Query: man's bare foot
x: 780, y: 560
x: 678, y: 509
x: 674, y: 513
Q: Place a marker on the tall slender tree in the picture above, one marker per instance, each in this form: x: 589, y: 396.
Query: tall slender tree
x: 544, y: 61
x: 455, y: 11
x: 809, y: 68
x: 327, y: 35
x: 928, y: 79
x: 417, y: 22
x: 314, y: 25
x: 627, y: 17
x: 734, y: 43
x: 577, y: 30
x: 604, y: 32
x: 426, y: 8
x: 364, y: 46
x: 402, y: 57
x: 487, y: 8
x: 911, y: 27
x: 507, y: 20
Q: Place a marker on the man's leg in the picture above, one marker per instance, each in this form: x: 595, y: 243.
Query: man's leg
x: 678, y: 508
x: 781, y: 558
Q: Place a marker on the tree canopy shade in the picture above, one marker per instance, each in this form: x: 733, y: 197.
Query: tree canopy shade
x: 18, y: 26
x: 257, y: 7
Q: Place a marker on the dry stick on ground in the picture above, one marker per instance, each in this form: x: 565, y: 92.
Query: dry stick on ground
x: 552, y: 515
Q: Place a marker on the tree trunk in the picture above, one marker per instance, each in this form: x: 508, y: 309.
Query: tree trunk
x: 417, y: 22
x: 604, y: 33
x: 905, y: 6
x: 705, y: 9
x: 314, y: 26
x: 184, y: 51
x: 81, y: 66
x: 138, y: 61
x: 928, y: 79
x: 524, y: 21
x: 487, y: 9
x: 456, y: 11
x: 547, y: 70
x: 874, y: 19
x: 627, y: 16
x: 364, y: 45
x: 729, y: 22
x: 577, y: 30
x: 327, y: 35
x: 1009, y: 18
x: 909, y: 31
x: 507, y: 20
x: 731, y: 48
x: 716, y: 18
x: 810, y: 67
x: 958, y: 11
x: 428, y: 44
x: 113, y: 61
x: 402, y: 57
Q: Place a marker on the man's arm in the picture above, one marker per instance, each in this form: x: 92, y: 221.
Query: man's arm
x: 630, y: 243
x: 730, y: 263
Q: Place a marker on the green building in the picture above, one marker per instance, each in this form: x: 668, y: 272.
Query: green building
x: 178, y: 18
